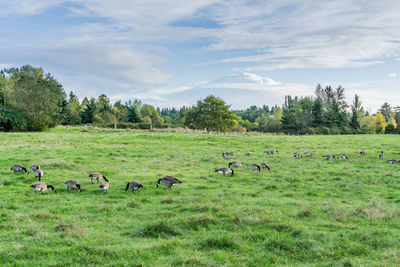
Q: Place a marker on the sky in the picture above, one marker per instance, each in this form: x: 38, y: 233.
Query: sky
x: 171, y: 53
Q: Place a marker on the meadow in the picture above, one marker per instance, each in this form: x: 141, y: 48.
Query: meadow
x: 304, y: 212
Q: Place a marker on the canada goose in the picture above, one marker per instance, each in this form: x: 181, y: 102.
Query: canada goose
x: 265, y: 166
x: 271, y: 152
x: 225, y: 171
x: 19, y: 168
x: 41, y: 187
x: 35, y: 167
x: 393, y: 161
x: 72, y: 184
x: 104, y: 186
x: 308, y: 153
x: 297, y: 155
x: 39, y: 173
x: 168, y: 181
x: 248, y: 153
x: 227, y: 155
x: 328, y: 157
x: 134, y: 185
x: 342, y: 157
x: 235, y: 164
x: 362, y: 152
x: 97, y: 176
x: 256, y: 167
x: 381, y: 155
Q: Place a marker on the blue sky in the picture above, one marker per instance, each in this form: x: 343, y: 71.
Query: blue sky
x: 172, y: 53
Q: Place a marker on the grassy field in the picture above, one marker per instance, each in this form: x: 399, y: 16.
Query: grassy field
x: 305, y: 212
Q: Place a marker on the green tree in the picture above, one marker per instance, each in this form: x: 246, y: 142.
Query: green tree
x: 356, y: 112
x: 211, y: 114
x: 38, y: 96
x: 318, y: 113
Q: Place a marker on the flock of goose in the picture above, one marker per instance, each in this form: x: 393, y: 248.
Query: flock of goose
x: 168, y: 181
x: 40, y: 186
x: 264, y: 165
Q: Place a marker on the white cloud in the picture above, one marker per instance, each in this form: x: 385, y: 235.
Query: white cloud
x: 393, y: 74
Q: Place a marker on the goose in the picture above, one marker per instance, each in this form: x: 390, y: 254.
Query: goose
x: 265, y: 166
x: 256, y: 167
x: 362, y: 152
x: 104, y: 186
x: 134, y: 185
x: 381, y: 155
x: 168, y: 181
x: 271, y: 152
x: 308, y: 153
x: 393, y: 161
x: 297, y: 155
x: 39, y: 173
x: 97, y: 176
x: 248, y: 153
x: 227, y: 155
x: 41, y: 187
x: 342, y: 157
x: 234, y: 164
x: 35, y: 167
x: 19, y: 168
x: 328, y: 157
x: 72, y: 184
x: 225, y: 171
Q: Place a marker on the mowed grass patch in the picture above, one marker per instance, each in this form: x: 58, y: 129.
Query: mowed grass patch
x: 303, y: 212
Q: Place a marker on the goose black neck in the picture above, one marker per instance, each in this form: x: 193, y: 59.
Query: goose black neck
x: 105, y: 179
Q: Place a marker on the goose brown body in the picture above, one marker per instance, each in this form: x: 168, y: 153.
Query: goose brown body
x: 168, y: 181
x: 72, y: 184
x: 19, y: 168
x: 134, y: 185
x: 235, y: 164
x: 225, y: 171
x: 264, y: 165
x: 256, y: 167
x: 104, y: 186
x: 39, y: 174
x: 97, y: 176
x: 41, y: 187
x: 35, y: 167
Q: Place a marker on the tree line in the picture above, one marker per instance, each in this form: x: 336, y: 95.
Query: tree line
x: 32, y: 100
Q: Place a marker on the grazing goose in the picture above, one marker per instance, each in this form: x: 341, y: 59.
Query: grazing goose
x: 256, y: 167
x: 168, y: 181
x: 104, y: 186
x: 19, y: 168
x: 134, y: 185
x: 227, y: 155
x: 308, y: 153
x: 342, y: 157
x: 328, y: 157
x: 39, y: 173
x: 225, y: 171
x: 97, y: 176
x: 297, y: 155
x: 265, y: 166
x: 72, y: 184
x: 393, y: 161
x: 248, y: 153
x: 235, y: 164
x: 362, y: 152
x: 35, y: 167
x: 41, y: 187
x: 381, y: 155
x: 271, y: 152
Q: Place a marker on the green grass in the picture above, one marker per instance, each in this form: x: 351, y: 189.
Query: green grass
x: 305, y: 212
